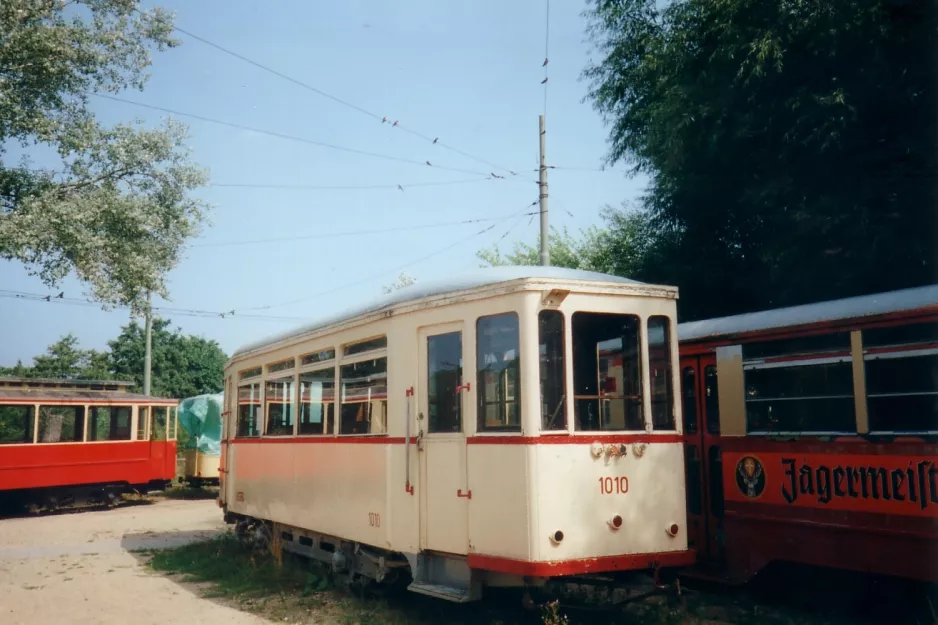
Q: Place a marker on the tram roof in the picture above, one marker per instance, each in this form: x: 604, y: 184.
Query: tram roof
x: 478, y: 278
x: 830, y: 311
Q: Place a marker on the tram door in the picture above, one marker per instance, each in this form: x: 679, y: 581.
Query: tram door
x: 441, y: 445
x: 702, y: 458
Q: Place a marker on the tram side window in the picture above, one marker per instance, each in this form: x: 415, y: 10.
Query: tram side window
x: 901, y: 364
x: 498, y: 375
x: 444, y: 379
x: 712, y: 399
x: 659, y: 361
x: 317, y: 401
x: 249, y: 403
x: 802, y: 385
x: 109, y: 423
x: 364, y: 388
x: 279, y: 407
x: 143, y: 416
x: 159, y: 423
x: 16, y: 424
x: 553, y: 378
x: 689, y: 393
x: 61, y: 424
x: 607, y: 372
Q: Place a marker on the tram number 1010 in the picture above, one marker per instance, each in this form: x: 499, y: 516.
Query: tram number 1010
x: 374, y: 519
x: 613, y: 485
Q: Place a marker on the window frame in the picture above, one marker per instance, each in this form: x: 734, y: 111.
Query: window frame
x: 294, y: 403
x: 259, y: 414
x: 672, y: 390
x: 802, y: 358
x: 566, y: 368
x: 480, y: 428
x: 340, y: 392
x: 33, y: 432
x: 81, y: 437
x: 313, y: 368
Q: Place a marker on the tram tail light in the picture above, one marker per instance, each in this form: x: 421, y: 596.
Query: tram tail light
x: 556, y: 537
x: 615, y: 522
x: 673, y: 529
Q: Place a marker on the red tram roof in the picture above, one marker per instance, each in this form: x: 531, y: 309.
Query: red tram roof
x: 22, y: 390
x: 851, y: 310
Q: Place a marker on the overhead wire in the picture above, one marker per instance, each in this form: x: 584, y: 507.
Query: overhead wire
x: 287, y: 136
x: 388, y: 271
x: 313, y: 187
x: 60, y: 299
x: 381, y: 118
x: 348, y: 233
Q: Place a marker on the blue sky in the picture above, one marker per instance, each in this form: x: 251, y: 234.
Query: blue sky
x: 468, y: 73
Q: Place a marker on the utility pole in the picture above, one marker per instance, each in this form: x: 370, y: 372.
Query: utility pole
x: 542, y: 183
x: 147, y: 355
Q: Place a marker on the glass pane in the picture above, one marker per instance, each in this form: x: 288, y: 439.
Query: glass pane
x: 902, y: 393
x: 715, y: 471
x: 659, y: 361
x: 249, y: 404
x: 109, y: 423
x: 143, y: 413
x: 444, y: 373
x: 804, y: 345
x: 692, y: 462
x: 317, y: 401
x: 607, y: 379
x: 366, y: 346
x: 283, y: 365
x: 278, y: 398
x: 689, y: 392
x: 321, y: 356
x: 553, y: 377
x: 803, y: 398
x: 712, y: 399
x: 910, y: 334
x: 158, y: 423
x: 498, y: 362
x: 61, y: 424
x: 249, y: 373
x: 16, y: 424
x: 364, y: 397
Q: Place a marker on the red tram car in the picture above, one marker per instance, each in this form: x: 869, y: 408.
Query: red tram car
x: 811, y: 436
x: 69, y: 441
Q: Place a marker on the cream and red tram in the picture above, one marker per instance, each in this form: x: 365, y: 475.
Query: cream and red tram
x: 71, y: 441
x: 502, y: 429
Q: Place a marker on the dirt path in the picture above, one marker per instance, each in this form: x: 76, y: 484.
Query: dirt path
x: 78, y: 568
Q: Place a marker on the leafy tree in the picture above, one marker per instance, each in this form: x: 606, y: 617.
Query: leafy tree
x: 65, y: 360
x: 182, y: 366
x: 791, y: 146
x: 116, y: 210
x: 617, y: 249
x: 403, y: 280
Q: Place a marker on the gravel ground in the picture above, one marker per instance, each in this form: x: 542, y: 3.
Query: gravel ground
x: 78, y: 567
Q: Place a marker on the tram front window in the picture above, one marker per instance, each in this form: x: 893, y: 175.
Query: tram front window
x: 607, y: 374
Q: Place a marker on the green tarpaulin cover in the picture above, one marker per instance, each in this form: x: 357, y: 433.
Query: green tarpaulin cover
x: 201, y: 417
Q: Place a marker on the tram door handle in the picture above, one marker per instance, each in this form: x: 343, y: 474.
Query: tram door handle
x: 420, y: 440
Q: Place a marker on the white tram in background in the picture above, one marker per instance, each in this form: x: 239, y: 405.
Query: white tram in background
x: 508, y: 427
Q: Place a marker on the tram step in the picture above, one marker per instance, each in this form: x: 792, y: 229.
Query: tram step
x: 457, y: 595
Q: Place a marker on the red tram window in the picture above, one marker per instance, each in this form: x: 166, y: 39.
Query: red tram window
x: 61, y: 424
x: 109, y: 423
x: 689, y: 392
x: 16, y: 424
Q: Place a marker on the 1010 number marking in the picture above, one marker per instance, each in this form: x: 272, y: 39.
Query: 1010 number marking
x: 613, y: 485
x: 374, y: 519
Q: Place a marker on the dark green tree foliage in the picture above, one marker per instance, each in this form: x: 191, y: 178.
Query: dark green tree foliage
x: 65, y: 360
x: 791, y: 145
x: 182, y: 366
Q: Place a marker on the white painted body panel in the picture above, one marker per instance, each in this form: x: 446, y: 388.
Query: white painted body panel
x: 520, y: 490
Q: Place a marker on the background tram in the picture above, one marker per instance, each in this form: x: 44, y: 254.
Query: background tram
x: 73, y: 441
x: 811, y: 436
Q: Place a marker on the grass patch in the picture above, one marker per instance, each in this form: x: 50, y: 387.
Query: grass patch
x: 184, y: 491
x: 237, y: 572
